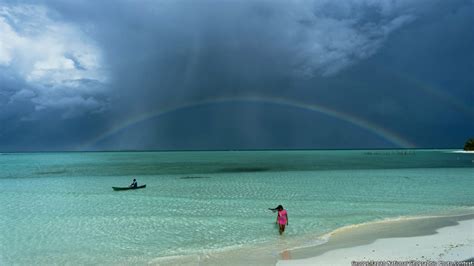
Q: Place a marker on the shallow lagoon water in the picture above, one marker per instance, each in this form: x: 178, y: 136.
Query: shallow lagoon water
x: 60, y: 207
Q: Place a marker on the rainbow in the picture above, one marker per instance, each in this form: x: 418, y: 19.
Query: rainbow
x: 351, y: 119
x: 441, y: 94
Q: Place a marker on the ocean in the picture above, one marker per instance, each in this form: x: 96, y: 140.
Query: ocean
x: 59, y: 208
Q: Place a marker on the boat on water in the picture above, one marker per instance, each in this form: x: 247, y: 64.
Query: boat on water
x: 128, y: 188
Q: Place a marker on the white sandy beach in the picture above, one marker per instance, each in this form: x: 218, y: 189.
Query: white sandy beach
x: 451, y: 243
x: 462, y: 151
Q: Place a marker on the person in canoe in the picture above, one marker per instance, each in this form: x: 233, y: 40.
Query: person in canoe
x: 282, y: 218
x: 134, y: 183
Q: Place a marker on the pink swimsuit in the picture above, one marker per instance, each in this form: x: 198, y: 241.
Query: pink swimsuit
x: 282, y: 217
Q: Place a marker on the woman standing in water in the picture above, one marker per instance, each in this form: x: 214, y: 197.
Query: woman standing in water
x: 282, y: 218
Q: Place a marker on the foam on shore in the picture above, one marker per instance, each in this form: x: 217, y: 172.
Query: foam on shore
x: 425, y: 238
x: 463, y: 151
x: 365, y: 241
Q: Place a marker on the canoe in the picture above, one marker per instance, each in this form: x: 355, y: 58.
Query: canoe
x: 127, y: 188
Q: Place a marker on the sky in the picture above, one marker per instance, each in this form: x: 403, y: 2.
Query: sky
x: 235, y: 74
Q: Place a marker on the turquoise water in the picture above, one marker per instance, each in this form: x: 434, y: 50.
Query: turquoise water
x: 60, y: 207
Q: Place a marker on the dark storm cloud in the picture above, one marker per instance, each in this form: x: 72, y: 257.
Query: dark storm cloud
x: 107, y: 61
x: 54, y: 59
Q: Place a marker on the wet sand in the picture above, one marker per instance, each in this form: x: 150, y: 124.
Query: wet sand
x: 430, y: 238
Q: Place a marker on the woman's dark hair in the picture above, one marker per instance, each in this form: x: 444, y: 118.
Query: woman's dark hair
x: 278, y: 208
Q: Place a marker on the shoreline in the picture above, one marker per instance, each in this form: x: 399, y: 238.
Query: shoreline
x: 463, y: 151
x: 432, y: 238
x: 358, y: 240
